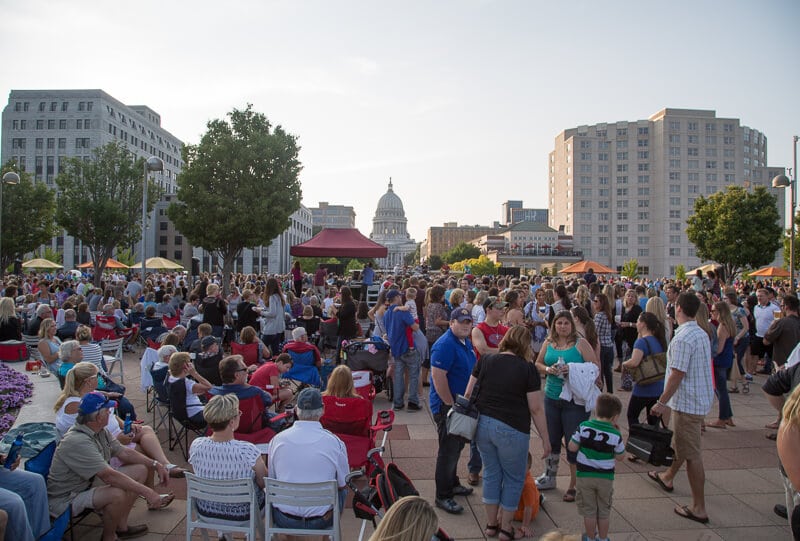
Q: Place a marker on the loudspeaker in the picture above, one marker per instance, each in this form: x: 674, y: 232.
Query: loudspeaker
x: 195, y: 267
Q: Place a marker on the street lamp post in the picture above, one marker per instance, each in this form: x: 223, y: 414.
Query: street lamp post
x: 152, y: 163
x: 782, y: 181
x: 9, y: 178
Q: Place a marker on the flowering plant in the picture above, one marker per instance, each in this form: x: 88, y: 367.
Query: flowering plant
x: 15, y: 389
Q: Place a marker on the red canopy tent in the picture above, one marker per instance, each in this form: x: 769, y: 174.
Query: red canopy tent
x: 339, y: 243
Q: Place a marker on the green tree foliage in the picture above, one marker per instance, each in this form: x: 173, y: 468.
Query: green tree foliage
x: 680, y: 272
x: 786, y: 244
x: 52, y: 255
x: 101, y: 201
x: 125, y: 256
x: 412, y: 258
x: 435, y: 262
x: 239, y: 186
x: 477, y: 266
x: 736, y: 228
x: 630, y: 269
x: 28, y: 211
x: 460, y: 252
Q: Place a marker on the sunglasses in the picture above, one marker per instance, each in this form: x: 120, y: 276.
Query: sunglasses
x: 241, y: 370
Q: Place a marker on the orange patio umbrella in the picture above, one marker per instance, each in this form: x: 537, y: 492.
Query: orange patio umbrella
x: 110, y: 264
x: 771, y: 272
x: 582, y: 267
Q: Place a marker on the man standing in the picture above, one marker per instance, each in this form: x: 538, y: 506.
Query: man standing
x: 672, y: 292
x: 764, y: 314
x: 367, y: 279
x: 307, y: 453
x: 689, y: 393
x: 319, y: 281
x: 83, y: 455
x: 784, y: 333
x: 590, y: 277
x: 452, y: 361
x: 398, y: 321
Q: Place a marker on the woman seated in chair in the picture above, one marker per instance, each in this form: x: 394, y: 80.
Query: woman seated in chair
x: 340, y: 383
x: 180, y: 366
x: 49, y: 344
x: 309, y: 321
x: 241, y: 459
x: 249, y: 336
x: 93, y: 354
x: 82, y: 379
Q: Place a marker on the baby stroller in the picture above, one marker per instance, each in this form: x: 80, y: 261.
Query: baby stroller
x: 386, y: 486
x: 372, y: 356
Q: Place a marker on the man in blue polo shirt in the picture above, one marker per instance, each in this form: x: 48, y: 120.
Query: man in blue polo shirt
x: 397, y: 321
x: 452, y: 360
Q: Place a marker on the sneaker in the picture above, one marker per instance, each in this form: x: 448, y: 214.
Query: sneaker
x: 413, y: 407
x: 461, y: 490
x: 449, y: 505
x: 545, y: 482
x: 398, y: 407
x: 780, y: 510
x: 749, y: 377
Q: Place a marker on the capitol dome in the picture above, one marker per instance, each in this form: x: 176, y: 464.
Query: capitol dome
x: 389, y: 228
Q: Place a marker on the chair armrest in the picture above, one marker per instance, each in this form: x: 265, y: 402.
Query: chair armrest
x: 384, y: 421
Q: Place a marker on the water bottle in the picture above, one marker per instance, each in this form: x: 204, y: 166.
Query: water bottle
x: 13, y: 453
x: 560, y: 364
x: 128, y: 426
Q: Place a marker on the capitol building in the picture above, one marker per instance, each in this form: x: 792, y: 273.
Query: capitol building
x: 389, y: 229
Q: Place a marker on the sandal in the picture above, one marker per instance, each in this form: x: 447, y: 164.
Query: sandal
x: 163, y: 502
x: 491, y: 530
x: 513, y: 534
x: 734, y: 390
x: 730, y: 422
x: 773, y: 425
x: 569, y: 495
x: 718, y: 424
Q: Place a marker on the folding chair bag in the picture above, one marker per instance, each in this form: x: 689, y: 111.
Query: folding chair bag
x: 13, y: 351
x: 651, y: 444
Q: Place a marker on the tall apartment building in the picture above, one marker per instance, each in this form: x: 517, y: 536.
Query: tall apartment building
x: 42, y: 128
x: 334, y: 216
x: 625, y: 190
x: 445, y: 238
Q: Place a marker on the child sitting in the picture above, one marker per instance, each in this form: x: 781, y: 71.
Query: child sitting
x: 528, y: 502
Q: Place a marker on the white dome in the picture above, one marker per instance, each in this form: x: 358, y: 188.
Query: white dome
x: 389, y: 201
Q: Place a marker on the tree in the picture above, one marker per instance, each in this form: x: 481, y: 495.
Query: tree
x: 239, y: 186
x: 736, y: 228
x: 460, y: 252
x: 28, y: 211
x: 478, y: 266
x: 412, y: 258
x: 435, y: 262
x: 786, y: 244
x: 630, y: 269
x: 680, y: 273
x: 101, y: 201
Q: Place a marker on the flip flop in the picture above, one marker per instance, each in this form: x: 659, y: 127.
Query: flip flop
x: 491, y: 530
x: 163, y: 502
x: 657, y: 478
x: 685, y: 512
x: 774, y: 425
x: 513, y: 534
x: 718, y: 424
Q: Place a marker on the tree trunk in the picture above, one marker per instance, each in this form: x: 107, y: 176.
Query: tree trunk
x: 228, y: 259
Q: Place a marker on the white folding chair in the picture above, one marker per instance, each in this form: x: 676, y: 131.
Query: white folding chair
x: 301, y: 495
x: 232, y: 491
x: 112, y: 354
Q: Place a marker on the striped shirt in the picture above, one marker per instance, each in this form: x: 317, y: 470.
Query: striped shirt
x: 690, y: 352
x: 600, y: 443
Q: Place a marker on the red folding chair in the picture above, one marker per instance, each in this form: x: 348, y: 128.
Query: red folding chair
x: 105, y: 328
x: 351, y: 420
x: 248, y: 351
x: 170, y: 322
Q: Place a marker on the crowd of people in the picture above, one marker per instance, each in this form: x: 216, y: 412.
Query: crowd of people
x: 537, y: 350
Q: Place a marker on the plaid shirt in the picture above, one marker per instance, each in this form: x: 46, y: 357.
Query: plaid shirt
x: 690, y: 353
x: 603, y: 327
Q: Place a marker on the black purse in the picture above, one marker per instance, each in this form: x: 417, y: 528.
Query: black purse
x: 651, y: 444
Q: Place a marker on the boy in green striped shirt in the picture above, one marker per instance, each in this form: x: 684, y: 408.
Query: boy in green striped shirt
x: 598, y: 443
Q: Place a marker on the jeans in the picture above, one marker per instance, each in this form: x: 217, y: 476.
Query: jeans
x: 447, y: 457
x: 410, y: 360
x: 273, y: 342
x: 607, y: 363
x: 284, y: 521
x: 24, y: 496
x: 504, y: 451
x: 740, y: 349
x: 563, y: 419
x: 475, y: 463
x: 721, y: 381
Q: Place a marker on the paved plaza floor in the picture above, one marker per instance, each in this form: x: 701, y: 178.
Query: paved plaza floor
x: 742, y: 479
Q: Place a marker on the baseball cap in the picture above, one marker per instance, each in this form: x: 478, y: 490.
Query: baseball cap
x: 207, y: 342
x: 392, y: 294
x: 309, y: 399
x: 494, y: 302
x: 460, y: 314
x: 92, y: 402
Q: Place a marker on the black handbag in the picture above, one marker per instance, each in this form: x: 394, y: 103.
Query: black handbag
x: 651, y: 444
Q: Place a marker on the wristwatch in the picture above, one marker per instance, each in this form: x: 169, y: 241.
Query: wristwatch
x: 156, y: 464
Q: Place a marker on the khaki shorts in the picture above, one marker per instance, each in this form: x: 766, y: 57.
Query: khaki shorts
x: 593, y: 496
x: 82, y: 501
x: 687, y: 438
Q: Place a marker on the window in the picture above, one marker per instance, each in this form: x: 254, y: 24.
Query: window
x: 82, y: 142
x: 691, y: 126
x: 675, y: 151
x: 674, y: 138
x: 711, y: 190
x: 729, y: 178
x: 675, y: 239
x: 79, y: 124
x: 585, y: 204
x: 585, y: 180
x: 81, y: 106
x: 602, y: 156
x: 643, y: 179
x: 40, y: 124
x: 42, y: 106
x: 711, y: 153
x: 163, y: 226
x: 51, y: 143
x: 711, y: 139
x: 622, y: 228
x: 53, y: 106
x: 729, y: 165
x: 602, y: 240
x: 693, y: 164
x: 622, y: 167
x: 89, y: 105
x: 62, y: 124
x: 674, y: 175
x: 729, y: 141
x: 675, y: 164
x: 643, y: 142
x: 622, y: 252
x: 643, y: 228
x: 603, y: 216
x: 51, y: 124
x: 643, y: 155
x: 643, y: 191
x: 622, y: 240
x: 622, y: 192
x: 643, y: 203
x: 602, y: 228
x: 693, y: 139
x: 674, y: 188
x: 586, y: 156
x: 602, y: 145
x: 622, y: 156
x: 622, y: 132
x: 622, y: 216
x: 64, y: 106
x: 622, y: 143
x: 586, y: 192
x: 622, y: 204
x: 623, y: 179
x: 711, y: 164
x: 711, y: 127
x: 674, y: 125
x: 675, y: 252
x: 693, y: 188
x: 602, y: 204
x: 692, y: 151
x: 711, y: 177
x: 584, y: 144
x: 643, y: 130
x: 674, y: 226
x: 675, y: 214
x: 39, y: 143
x: 602, y: 181
x: 675, y: 201
x: 18, y: 143
x: 731, y: 153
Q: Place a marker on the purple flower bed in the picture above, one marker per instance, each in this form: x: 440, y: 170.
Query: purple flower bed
x: 15, y: 389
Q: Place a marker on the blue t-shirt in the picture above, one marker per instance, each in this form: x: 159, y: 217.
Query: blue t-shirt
x: 368, y: 276
x: 457, y: 359
x: 396, y: 322
x: 648, y: 345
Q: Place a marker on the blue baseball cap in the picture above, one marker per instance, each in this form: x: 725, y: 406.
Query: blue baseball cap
x: 392, y: 294
x: 309, y: 399
x: 461, y: 315
x: 92, y: 402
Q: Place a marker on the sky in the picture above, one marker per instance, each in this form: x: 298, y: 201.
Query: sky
x: 459, y: 102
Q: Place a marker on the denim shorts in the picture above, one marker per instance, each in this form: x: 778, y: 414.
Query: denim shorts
x: 504, y: 451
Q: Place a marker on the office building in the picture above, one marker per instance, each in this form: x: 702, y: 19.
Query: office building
x: 335, y: 216
x: 42, y: 128
x: 624, y: 190
x: 442, y: 239
x: 514, y: 212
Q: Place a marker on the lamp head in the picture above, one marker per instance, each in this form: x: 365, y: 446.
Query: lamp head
x: 781, y: 181
x: 155, y: 164
x: 11, y: 178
